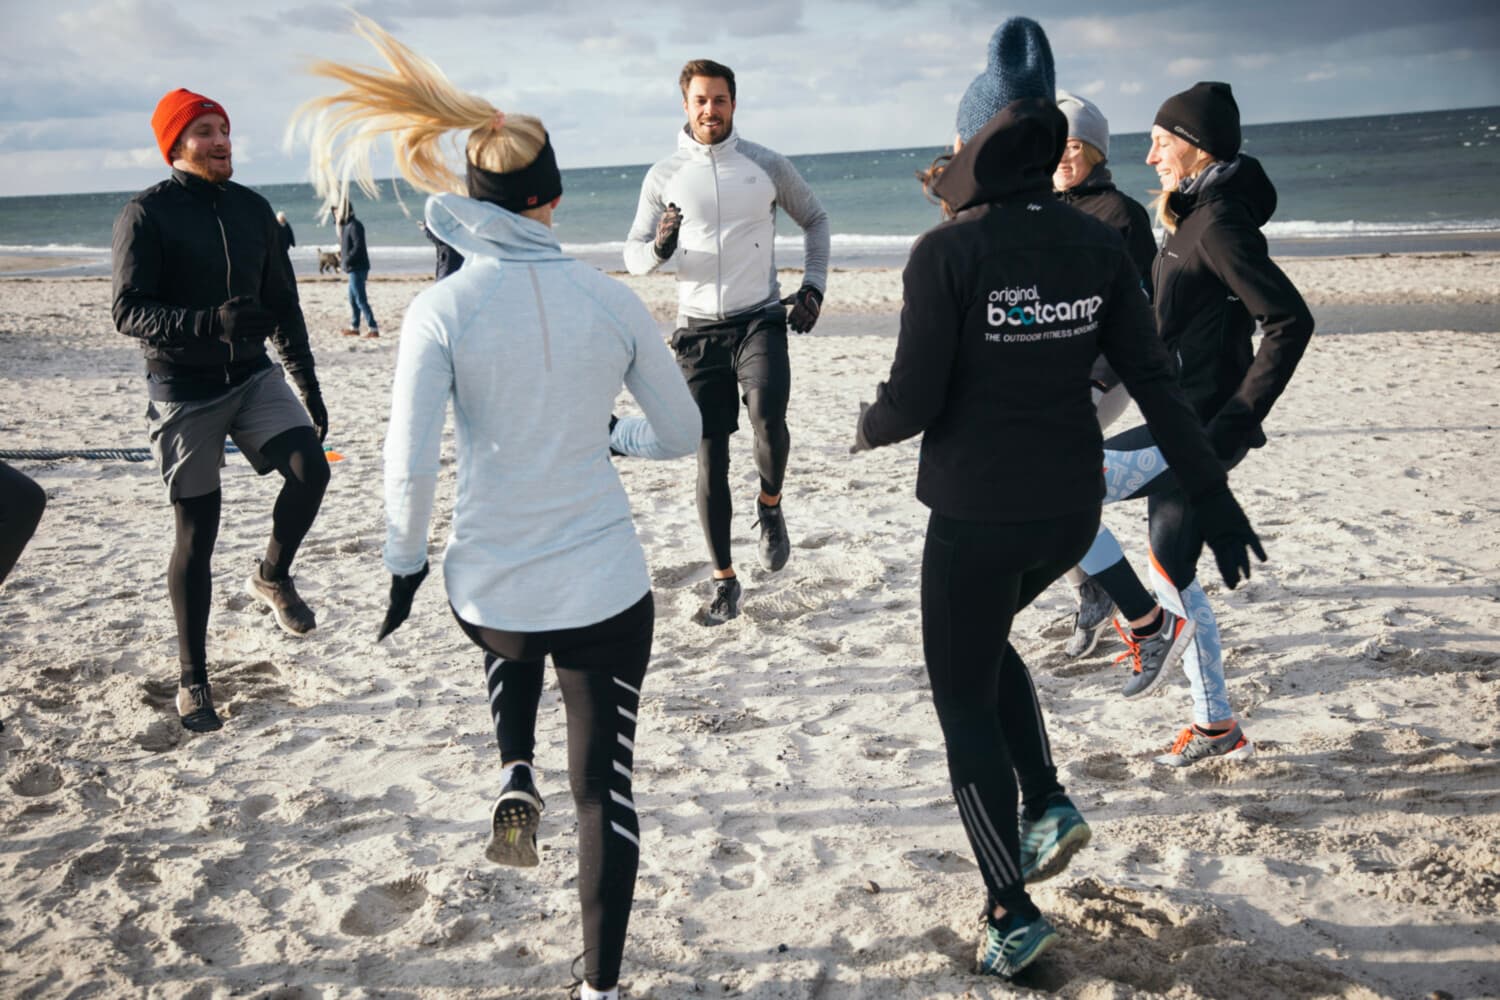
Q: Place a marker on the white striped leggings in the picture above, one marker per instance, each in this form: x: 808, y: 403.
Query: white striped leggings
x: 976, y: 575
x: 600, y: 668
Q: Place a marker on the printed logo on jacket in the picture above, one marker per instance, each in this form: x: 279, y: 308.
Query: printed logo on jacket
x: 1024, y: 308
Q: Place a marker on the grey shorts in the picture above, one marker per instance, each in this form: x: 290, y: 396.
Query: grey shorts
x: 187, y: 439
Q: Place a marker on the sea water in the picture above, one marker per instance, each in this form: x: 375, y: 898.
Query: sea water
x: 1420, y: 181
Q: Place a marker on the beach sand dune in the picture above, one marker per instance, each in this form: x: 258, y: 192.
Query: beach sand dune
x: 799, y: 838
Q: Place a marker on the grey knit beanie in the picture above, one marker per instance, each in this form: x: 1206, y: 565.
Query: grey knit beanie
x: 1085, y: 121
x: 1020, y: 65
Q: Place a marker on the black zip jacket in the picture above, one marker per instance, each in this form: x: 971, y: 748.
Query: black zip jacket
x: 1097, y: 195
x: 1005, y: 308
x: 181, y: 249
x: 354, y: 256
x: 1214, y: 278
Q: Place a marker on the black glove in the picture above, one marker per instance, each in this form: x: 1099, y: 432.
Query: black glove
x: 403, y: 589
x: 243, y: 318
x: 806, y: 303
x: 666, y: 232
x: 312, y: 398
x: 1227, y: 531
x: 861, y: 443
x: 612, y: 421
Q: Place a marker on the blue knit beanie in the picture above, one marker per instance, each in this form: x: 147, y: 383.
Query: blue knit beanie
x: 1020, y: 65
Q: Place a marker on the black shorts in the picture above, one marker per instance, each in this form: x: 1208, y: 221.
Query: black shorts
x: 724, y: 359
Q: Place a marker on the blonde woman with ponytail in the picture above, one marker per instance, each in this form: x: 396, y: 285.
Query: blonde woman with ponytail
x: 532, y: 347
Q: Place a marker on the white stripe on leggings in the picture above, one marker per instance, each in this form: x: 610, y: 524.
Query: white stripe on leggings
x: 626, y: 834
x: 627, y: 714
x: 622, y: 769
x: 985, y: 833
x: 622, y: 800
x: 627, y: 687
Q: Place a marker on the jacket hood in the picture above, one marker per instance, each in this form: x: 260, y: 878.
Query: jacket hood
x: 1015, y: 152
x: 1243, y: 180
x: 481, y: 229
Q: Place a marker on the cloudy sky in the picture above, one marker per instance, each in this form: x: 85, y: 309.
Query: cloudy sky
x: 79, y: 78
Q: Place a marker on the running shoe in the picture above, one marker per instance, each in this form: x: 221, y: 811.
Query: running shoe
x: 1006, y: 950
x: 1150, y: 656
x: 775, y: 547
x: 195, y: 707
x: 1194, y: 745
x: 1048, y: 844
x: 514, y: 820
x: 1095, y: 609
x: 725, y: 604
x: 292, y: 613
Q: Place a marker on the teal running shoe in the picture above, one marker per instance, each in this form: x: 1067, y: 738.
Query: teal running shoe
x: 1005, y: 952
x: 1048, y: 844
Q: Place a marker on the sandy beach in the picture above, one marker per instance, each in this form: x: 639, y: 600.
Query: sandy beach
x: 799, y: 838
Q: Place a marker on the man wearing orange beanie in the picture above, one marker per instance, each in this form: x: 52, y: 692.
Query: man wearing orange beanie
x: 201, y: 281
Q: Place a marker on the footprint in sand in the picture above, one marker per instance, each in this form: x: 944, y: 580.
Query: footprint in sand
x: 380, y: 909
x: 214, y: 943
x: 944, y: 862
x: 36, y: 780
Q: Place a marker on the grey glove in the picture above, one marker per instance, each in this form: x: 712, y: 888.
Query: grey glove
x: 666, y: 232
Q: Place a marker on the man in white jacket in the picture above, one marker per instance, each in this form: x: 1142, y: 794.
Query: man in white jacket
x: 711, y: 208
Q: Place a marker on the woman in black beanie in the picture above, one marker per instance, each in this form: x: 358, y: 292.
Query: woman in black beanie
x: 1213, y: 280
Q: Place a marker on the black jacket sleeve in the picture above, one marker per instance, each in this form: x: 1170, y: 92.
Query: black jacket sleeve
x: 1237, y: 253
x: 1140, y: 243
x: 136, y: 252
x: 1129, y: 341
x: 932, y: 316
x: 278, y: 293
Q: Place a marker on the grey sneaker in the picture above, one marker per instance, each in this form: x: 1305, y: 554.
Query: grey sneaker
x: 1193, y: 746
x: 292, y: 613
x: 1006, y: 950
x: 1149, y: 657
x: 775, y: 547
x: 1095, y: 610
x: 514, y: 821
x: 195, y: 707
x: 725, y: 604
x: 1048, y: 844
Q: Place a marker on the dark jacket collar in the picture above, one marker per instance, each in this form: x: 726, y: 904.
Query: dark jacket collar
x: 1243, y: 180
x: 1014, y: 153
x: 197, y: 185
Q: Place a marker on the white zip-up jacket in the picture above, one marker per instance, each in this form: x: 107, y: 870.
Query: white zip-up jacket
x: 532, y: 347
x: 728, y: 193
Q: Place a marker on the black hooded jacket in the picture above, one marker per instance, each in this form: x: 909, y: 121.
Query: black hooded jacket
x: 1214, y: 278
x: 1097, y: 195
x: 182, y: 248
x: 1006, y: 306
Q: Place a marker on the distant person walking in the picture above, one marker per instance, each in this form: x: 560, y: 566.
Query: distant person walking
x: 532, y: 348
x: 711, y: 207
x: 1083, y: 180
x: 448, y: 259
x: 201, y: 282
x: 288, y: 238
x: 1214, y: 282
x: 1006, y: 307
x: 354, y: 257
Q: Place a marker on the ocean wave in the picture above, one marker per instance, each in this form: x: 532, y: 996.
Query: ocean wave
x: 1301, y: 229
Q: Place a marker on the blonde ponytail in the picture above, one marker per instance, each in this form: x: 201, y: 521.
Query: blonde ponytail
x: 417, y: 106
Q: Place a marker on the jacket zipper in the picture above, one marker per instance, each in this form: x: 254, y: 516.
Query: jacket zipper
x: 228, y: 280
x: 713, y: 166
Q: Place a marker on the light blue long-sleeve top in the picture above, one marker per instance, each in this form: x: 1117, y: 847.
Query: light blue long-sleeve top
x: 532, y: 347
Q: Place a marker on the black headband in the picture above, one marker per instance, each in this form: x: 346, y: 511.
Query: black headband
x: 533, y: 185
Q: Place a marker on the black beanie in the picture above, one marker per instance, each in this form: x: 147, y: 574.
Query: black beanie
x: 1205, y: 115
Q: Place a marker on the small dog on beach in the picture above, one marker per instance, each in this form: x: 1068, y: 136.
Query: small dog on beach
x: 328, y: 260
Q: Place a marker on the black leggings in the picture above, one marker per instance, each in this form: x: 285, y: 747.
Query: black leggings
x: 298, y: 456
x: 21, y: 504
x: 773, y: 443
x: 975, y: 577
x: 600, y: 668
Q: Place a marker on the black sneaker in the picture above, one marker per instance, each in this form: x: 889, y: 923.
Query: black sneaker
x: 292, y: 613
x: 775, y: 547
x: 1095, y: 609
x: 725, y: 604
x: 195, y: 706
x: 514, y: 821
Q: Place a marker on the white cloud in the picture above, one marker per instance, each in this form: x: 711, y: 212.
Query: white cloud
x: 1132, y: 87
x: 131, y: 159
x: 1259, y: 60
x: 1320, y: 74
x: 1093, y: 88
x: 1188, y: 67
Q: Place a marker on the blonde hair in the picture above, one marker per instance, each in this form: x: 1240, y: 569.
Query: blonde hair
x: 417, y: 106
x: 1161, y: 205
